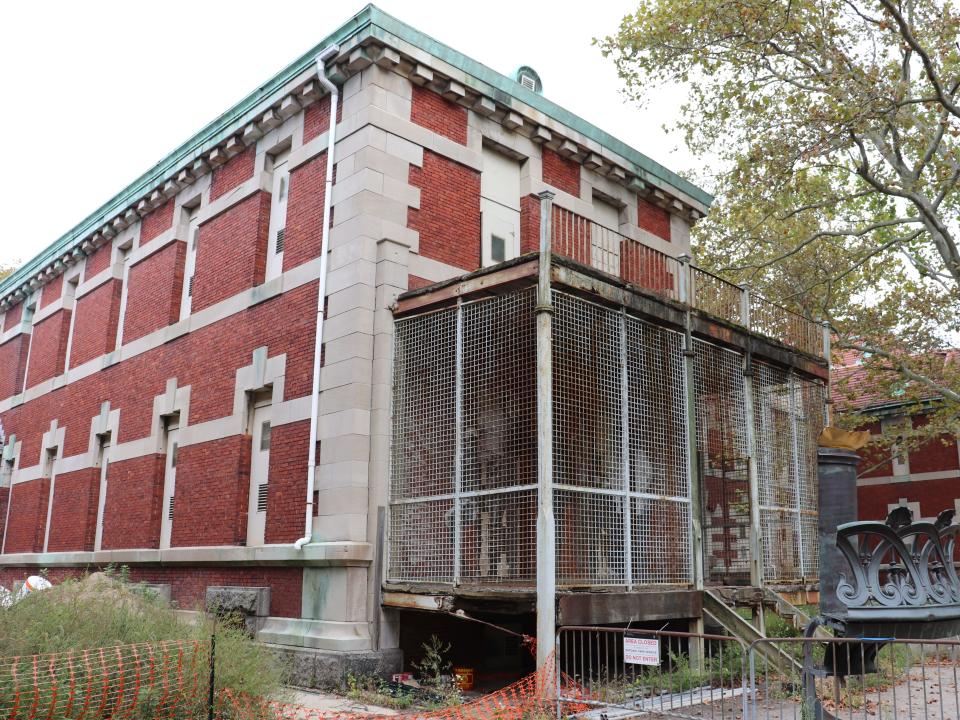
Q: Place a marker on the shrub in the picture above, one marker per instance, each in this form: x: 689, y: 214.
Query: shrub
x: 103, y: 611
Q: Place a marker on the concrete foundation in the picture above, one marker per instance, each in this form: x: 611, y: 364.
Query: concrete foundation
x: 328, y: 669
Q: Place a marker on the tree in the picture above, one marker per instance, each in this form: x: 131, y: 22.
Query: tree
x: 835, y: 125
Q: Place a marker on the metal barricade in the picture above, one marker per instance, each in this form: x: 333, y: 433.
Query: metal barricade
x: 618, y: 673
x: 854, y: 679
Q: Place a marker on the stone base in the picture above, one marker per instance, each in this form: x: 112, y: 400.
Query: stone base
x: 328, y: 669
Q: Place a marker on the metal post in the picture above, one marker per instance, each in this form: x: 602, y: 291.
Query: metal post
x: 625, y: 454
x: 756, y: 537
x: 684, y: 283
x: 546, y: 528
x: 458, y: 447
x: 693, y: 476
x: 827, y: 398
x: 795, y: 452
x: 745, y: 305
x: 213, y: 656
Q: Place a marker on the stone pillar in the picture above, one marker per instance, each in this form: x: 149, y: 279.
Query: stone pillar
x: 837, y: 480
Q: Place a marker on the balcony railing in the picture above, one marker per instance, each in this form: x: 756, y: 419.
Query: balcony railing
x: 607, y: 250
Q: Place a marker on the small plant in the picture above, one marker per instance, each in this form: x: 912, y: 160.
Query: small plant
x: 434, y: 666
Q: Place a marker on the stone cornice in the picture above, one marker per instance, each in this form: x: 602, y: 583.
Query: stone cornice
x: 371, y: 36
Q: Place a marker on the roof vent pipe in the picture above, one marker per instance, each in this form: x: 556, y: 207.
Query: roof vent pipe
x: 325, y: 55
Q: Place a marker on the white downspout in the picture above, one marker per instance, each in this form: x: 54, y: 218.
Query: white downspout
x: 327, y: 53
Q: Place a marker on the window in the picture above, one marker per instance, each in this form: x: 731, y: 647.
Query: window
x: 48, y: 472
x: 899, y: 455
x: 278, y: 216
x: 103, y: 460
x: 261, y: 434
x: 499, y: 208
x: 171, y: 441
x: 70, y: 292
x: 190, y: 265
x: 27, y: 323
x: 123, y: 256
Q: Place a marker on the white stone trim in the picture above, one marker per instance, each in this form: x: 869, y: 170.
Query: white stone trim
x: 318, y: 554
x: 289, y: 280
x: 912, y: 477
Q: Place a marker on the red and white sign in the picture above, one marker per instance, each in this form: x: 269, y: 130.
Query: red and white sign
x: 641, y: 650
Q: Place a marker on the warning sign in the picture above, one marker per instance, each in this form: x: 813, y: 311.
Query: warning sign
x: 641, y: 650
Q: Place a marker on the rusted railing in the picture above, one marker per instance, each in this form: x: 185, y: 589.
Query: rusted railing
x: 607, y: 250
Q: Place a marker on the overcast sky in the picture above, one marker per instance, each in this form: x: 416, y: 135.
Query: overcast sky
x: 97, y: 92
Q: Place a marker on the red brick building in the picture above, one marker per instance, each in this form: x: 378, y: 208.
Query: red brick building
x: 924, y: 477
x: 163, y: 398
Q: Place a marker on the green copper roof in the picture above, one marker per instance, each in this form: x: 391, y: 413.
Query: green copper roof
x: 369, y: 22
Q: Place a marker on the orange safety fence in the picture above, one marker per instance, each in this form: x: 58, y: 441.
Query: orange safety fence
x: 133, y: 682
x: 530, y: 697
x: 170, y: 681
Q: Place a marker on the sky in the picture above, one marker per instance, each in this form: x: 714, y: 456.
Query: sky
x: 95, y: 93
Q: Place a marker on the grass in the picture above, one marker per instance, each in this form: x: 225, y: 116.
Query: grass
x: 104, y: 611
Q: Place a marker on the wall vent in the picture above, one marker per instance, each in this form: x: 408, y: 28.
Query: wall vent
x: 170, y: 509
x: 528, y: 77
x: 278, y: 248
x: 262, y: 497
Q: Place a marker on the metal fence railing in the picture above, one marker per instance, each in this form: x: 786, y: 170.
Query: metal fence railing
x: 625, y: 672
x: 855, y: 679
x: 619, y: 672
x: 607, y: 250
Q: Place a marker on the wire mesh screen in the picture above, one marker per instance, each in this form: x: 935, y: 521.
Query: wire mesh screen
x: 622, y: 498
x: 463, y: 485
x: 658, y: 454
x: 498, y: 497
x: 723, y: 463
x: 463, y: 498
x: 788, y: 413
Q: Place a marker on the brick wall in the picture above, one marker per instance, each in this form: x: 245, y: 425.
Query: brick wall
x: 156, y: 222
x: 449, y: 216
x: 95, y: 324
x: 28, y: 516
x: 13, y: 362
x: 933, y: 496
x: 4, y: 497
x: 213, y: 485
x: 13, y: 316
x: 188, y: 584
x: 560, y: 172
x: 74, y: 520
x: 48, y: 350
x: 529, y: 224
x: 132, y: 507
x: 236, y: 170
x: 97, y: 262
x: 435, y: 112
x: 154, y: 291
x: 414, y: 282
x: 304, y: 228
x: 231, y: 251
x: 653, y: 219
x: 289, y: 448
x: 875, y: 462
x: 52, y: 291
x: 316, y: 118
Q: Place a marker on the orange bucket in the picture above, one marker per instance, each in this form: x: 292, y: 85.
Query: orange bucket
x: 465, y: 677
